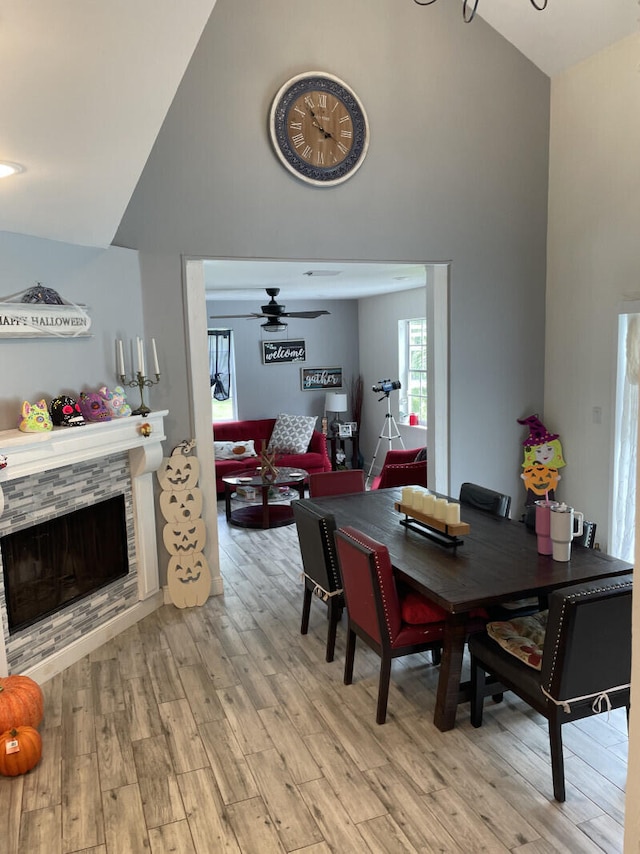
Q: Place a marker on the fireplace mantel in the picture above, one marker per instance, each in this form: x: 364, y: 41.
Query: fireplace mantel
x: 34, y: 455
x: 28, y: 453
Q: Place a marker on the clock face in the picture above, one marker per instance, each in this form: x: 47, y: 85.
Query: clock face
x: 319, y: 128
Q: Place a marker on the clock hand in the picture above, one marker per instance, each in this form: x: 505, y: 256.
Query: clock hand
x: 326, y: 133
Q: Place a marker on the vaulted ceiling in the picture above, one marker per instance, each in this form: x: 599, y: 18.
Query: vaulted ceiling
x: 87, y: 85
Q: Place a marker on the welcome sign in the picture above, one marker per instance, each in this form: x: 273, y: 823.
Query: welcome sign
x: 277, y: 352
x: 26, y: 320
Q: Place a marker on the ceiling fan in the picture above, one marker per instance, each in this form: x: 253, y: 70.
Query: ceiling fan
x: 274, y: 312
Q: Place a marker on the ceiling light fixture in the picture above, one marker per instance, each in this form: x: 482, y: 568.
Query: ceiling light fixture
x: 322, y: 273
x: 469, y: 7
x: 274, y: 325
x: 7, y: 168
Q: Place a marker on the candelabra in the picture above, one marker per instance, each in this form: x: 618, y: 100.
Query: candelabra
x: 139, y: 378
x: 141, y: 381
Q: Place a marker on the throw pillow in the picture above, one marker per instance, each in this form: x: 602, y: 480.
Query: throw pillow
x: 292, y: 434
x: 421, y: 456
x: 522, y: 637
x: 417, y: 610
x: 234, y: 450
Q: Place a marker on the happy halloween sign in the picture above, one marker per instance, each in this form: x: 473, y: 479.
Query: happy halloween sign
x: 22, y: 320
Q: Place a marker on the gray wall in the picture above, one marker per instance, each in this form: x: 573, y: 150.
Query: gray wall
x: 265, y: 390
x: 105, y: 280
x: 456, y: 171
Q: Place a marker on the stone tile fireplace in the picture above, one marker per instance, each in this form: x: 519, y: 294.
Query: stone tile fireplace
x: 51, y: 475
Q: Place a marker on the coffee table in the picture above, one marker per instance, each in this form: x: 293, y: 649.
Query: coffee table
x: 265, y: 514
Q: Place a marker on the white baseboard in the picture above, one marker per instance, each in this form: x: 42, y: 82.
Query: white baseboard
x: 59, y: 661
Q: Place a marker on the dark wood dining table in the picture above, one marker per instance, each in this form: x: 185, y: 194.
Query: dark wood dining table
x: 497, y: 562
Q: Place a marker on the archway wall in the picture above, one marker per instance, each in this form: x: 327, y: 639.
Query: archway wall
x: 456, y: 172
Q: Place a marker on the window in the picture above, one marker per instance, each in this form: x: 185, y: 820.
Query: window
x: 224, y: 405
x: 626, y: 432
x: 412, y: 339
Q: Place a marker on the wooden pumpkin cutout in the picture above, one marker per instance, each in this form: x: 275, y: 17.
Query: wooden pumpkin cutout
x: 178, y: 472
x: 184, y: 537
x: 182, y: 505
x: 189, y: 580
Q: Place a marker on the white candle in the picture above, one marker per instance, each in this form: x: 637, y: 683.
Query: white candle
x: 156, y: 366
x: 120, y: 369
x: 428, y: 504
x: 452, y: 516
x: 441, y: 508
x: 137, y: 354
x: 407, y: 496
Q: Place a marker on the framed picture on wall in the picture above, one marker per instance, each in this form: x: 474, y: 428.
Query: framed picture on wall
x: 314, y: 379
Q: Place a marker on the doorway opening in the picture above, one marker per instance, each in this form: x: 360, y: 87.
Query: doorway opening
x: 435, y: 280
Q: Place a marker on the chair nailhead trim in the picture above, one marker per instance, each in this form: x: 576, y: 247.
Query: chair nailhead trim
x: 573, y: 597
x: 385, y: 604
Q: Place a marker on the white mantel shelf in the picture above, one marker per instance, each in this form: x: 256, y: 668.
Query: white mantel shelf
x: 28, y: 453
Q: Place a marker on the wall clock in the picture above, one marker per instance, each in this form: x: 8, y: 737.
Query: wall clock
x: 319, y: 128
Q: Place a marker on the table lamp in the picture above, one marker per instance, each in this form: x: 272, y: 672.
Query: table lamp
x: 336, y: 403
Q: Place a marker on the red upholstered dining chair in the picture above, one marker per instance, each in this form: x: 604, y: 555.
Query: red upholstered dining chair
x: 402, y: 467
x: 339, y: 482
x: 378, y: 613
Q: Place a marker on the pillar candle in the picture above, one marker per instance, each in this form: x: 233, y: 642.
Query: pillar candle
x: 407, y: 496
x: 440, y: 508
x: 452, y: 516
x: 417, y: 499
x: 428, y: 504
x: 156, y: 366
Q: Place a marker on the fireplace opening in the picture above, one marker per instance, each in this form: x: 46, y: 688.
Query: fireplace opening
x: 55, y: 563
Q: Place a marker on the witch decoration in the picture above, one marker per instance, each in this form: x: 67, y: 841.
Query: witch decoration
x: 542, y: 459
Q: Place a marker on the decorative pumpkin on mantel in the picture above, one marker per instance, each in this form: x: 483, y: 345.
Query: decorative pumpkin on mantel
x: 20, y: 750
x: 21, y: 702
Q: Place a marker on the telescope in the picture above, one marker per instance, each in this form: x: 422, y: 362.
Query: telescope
x: 386, y: 386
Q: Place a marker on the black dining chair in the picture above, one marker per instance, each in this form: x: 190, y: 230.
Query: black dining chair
x: 481, y: 498
x: 585, y: 667
x: 320, y: 566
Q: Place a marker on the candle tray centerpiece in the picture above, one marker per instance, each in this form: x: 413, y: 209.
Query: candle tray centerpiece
x: 446, y: 533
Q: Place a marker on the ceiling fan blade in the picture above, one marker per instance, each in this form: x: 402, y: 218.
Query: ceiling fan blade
x: 229, y: 316
x: 310, y: 314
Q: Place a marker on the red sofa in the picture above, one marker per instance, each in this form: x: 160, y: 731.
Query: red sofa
x: 314, y: 460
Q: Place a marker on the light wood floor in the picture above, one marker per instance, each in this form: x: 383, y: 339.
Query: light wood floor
x: 222, y: 729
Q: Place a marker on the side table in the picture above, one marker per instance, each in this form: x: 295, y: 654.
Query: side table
x: 336, y: 442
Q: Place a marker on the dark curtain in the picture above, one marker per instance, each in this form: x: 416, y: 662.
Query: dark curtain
x: 220, y: 363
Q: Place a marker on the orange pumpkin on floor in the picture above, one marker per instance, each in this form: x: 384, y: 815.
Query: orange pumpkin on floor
x: 21, y: 702
x: 20, y: 750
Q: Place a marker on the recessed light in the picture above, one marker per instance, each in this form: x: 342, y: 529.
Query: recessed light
x: 322, y: 273
x: 7, y: 168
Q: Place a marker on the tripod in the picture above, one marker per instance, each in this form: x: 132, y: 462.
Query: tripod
x: 389, y: 431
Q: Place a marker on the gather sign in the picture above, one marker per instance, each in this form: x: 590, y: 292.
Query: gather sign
x: 276, y: 352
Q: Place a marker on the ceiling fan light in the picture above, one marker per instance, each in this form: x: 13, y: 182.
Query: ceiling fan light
x: 7, y: 168
x: 270, y: 326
